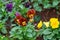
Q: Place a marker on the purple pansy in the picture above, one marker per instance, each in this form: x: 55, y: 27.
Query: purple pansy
x: 27, y: 4
x: 17, y: 14
x: 9, y: 7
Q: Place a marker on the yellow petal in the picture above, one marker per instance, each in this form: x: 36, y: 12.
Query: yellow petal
x: 39, y: 25
x: 31, y: 20
x: 46, y: 23
x: 53, y: 19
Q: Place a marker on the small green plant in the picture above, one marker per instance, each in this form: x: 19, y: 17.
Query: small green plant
x: 24, y: 32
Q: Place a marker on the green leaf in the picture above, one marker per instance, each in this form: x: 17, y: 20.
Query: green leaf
x: 35, y: 4
x: 58, y: 36
x: 41, y: 31
x: 46, y: 32
x: 1, y: 4
x: 45, y: 38
x: 55, y: 31
x: 29, y: 35
x: 50, y: 36
x: 55, y: 3
x: 21, y: 6
x: 34, y: 34
x: 4, y: 31
x: 31, y: 0
x: 15, y: 28
x: 29, y: 30
x: 47, y: 5
x: 40, y: 1
x: 1, y: 24
x: 53, y: 39
x: 38, y: 8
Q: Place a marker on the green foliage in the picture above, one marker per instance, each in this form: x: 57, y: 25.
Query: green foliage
x: 46, y: 4
x: 49, y: 33
x: 3, y: 30
x: 37, y: 7
x: 1, y: 24
x: 3, y: 37
x: 55, y: 3
x: 24, y: 33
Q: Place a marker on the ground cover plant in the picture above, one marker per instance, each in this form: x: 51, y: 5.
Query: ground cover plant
x: 29, y: 19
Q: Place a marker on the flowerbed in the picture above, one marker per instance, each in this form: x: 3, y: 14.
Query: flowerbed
x: 29, y: 20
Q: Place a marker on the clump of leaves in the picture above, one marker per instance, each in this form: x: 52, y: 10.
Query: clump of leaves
x: 38, y: 5
x: 24, y: 33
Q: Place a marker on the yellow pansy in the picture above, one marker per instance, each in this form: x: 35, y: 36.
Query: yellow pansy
x: 46, y: 23
x: 39, y: 25
x: 54, y: 23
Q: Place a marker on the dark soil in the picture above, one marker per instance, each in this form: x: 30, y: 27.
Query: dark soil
x: 48, y: 13
x: 39, y: 38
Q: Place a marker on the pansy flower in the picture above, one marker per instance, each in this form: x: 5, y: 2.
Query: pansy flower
x: 20, y: 20
x: 9, y: 7
x: 54, y: 23
x: 27, y: 4
x: 23, y: 21
x: 31, y: 13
